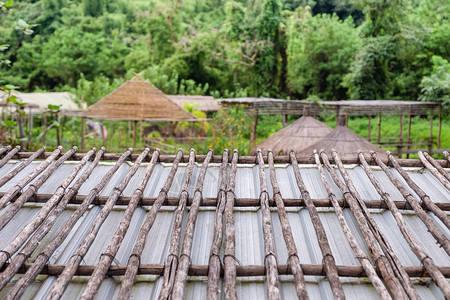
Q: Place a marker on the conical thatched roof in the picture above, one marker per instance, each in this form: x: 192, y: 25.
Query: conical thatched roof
x: 346, y: 143
x: 297, y: 136
x: 137, y: 100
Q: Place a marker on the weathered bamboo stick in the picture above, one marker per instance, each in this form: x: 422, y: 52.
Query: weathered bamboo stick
x: 397, y: 267
x: 431, y: 226
x: 229, y: 259
x: 184, y: 259
x: 171, y: 265
x: 242, y: 270
x: 359, y: 253
x: 214, y: 254
x: 442, y: 177
x: 424, y: 197
x: 437, y: 166
x: 63, y: 280
x: 28, y: 230
x: 447, y: 156
x: 270, y: 260
x: 241, y: 202
x: 32, y: 189
x: 5, y: 149
x: 294, y: 261
x: 19, y: 186
x: 427, y: 262
x: 106, y: 258
x: 9, y: 156
x: 135, y: 258
x: 19, y: 288
x: 31, y: 245
x: 381, y: 261
x: 20, y: 167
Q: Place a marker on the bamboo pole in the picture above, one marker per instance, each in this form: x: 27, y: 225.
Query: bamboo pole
x: 184, y: 260
x: 437, y: 166
x: 401, y: 135
x: 19, y: 186
x: 214, y: 254
x: 447, y: 156
x: 229, y: 259
x: 357, y: 250
x: 294, y: 261
x: 430, y: 147
x: 378, y: 128
x: 270, y: 260
x: 242, y: 270
x: 19, y: 288
x: 369, y: 128
x: 32, y: 189
x: 439, y: 176
x: 439, y: 128
x: 427, y: 262
x: 397, y: 267
x: 171, y: 265
x: 424, y: 197
x: 328, y: 259
x: 21, y: 166
x: 5, y: 149
x: 9, y: 155
x: 63, y: 280
x: 28, y: 230
x: 107, y: 257
x: 380, y: 259
x: 135, y: 257
x: 409, y: 130
x: 31, y: 245
x: 83, y: 133
x: 426, y: 219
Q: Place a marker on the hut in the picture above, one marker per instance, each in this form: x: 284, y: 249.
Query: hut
x: 299, y: 135
x: 147, y: 225
x: 345, y: 142
x: 206, y: 104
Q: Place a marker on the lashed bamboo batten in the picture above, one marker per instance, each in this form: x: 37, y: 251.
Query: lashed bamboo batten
x: 270, y: 261
x: 171, y: 265
x: 63, y: 280
x: 438, y: 167
x: 32, y: 189
x: 427, y: 262
x: 107, y: 257
x: 294, y: 261
x: 5, y: 149
x: 445, y: 182
x: 9, y: 156
x: 31, y: 245
x: 423, y: 196
x: 21, y: 166
x: 135, y: 257
x: 359, y: 253
x: 229, y: 260
x: 28, y: 230
x: 381, y: 261
x: 19, y: 288
x: 184, y: 259
x: 214, y: 254
x: 431, y: 226
x: 397, y: 266
x: 19, y: 186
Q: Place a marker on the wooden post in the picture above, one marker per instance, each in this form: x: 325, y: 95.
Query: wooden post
x: 369, y: 128
x: 44, y: 121
x: 338, y: 108
x: 401, y: 135
x: 30, y: 125
x: 134, y: 133
x: 83, y: 133
x: 141, y: 133
x: 58, y: 140
x: 439, y: 128
x: 378, y: 128
x: 409, y: 130
x: 253, y: 129
x: 430, y: 146
x: 284, y: 116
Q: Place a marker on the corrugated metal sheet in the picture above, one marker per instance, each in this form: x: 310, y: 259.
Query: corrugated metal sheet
x: 249, y: 242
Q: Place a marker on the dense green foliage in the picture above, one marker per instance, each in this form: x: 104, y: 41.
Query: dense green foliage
x: 327, y: 49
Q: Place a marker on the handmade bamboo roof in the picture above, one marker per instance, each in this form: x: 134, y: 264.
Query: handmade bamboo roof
x: 297, y: 136
x: 137, y: 100
x: 205, y: 103
x: 40, y: 101
x: 255, y: 226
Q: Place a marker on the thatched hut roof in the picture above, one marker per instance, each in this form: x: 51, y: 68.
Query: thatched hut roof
x: 303, y: 132
x: 205, y: 103
x: 137, y: 100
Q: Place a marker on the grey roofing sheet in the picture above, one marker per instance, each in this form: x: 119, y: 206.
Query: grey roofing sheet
x: 249, y: 241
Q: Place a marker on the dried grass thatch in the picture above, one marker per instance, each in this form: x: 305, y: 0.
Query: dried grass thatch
x: 205, y: 103
x: 137, y: 100
x: 297, y: 136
